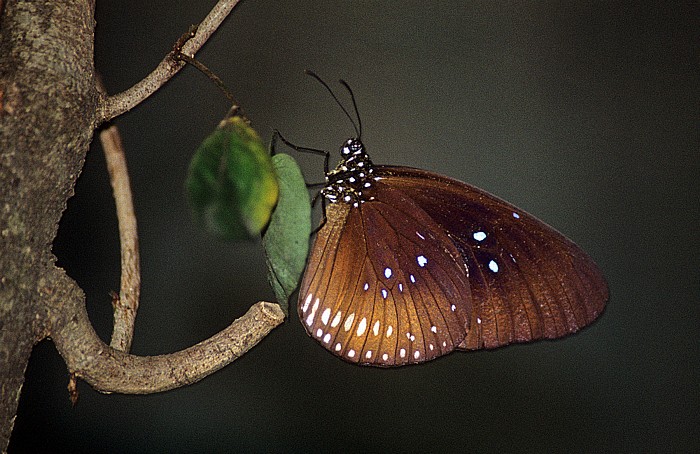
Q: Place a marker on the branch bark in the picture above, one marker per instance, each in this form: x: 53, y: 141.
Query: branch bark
x: 50, y: 105
x: 110, y: 370
x: 46, y: 123
x: 126, y: 304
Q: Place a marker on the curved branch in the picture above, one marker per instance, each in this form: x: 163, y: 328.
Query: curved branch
x: 113, y: 106
x: 109, y: 370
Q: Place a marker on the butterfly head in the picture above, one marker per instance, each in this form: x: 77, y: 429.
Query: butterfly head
x: 352, y: 147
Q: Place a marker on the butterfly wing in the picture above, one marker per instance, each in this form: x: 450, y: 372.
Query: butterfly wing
x: 384, y: 285
x: 527, y: 280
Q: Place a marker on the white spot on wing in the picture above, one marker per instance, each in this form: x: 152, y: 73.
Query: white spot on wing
x: 310, y: 318
x: 420, y: 236
x: 400, y: 287
x: 326, y: 315
x: 375, y: 329
x: 366, y: 287
x: 416, y: 354
x: 402, y: 353
x: 384, y: 293
x: 319, y: 332
x: 305, y: 307
x: 336, y: 320
x: 413, y: 278
x: 479, y: 236
x: 385, y: 357
x: 493, y: 266
x: 327, y: 338
x: 369, y: 354
x: 351, y: 353
x: 348, y: 322
x: 422, y: 261
x: 362, y: 327
x: 387, y: 272
x: 516, y: 215
x: 389, y: 330
x: 337, y: 347
x: 433, y: 329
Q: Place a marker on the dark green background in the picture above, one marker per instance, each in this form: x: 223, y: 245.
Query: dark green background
x: 584, y: 114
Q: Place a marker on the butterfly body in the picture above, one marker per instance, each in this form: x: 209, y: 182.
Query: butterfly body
x: 411, y: 265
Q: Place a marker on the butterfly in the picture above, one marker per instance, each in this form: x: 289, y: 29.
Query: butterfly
x: 410, y: 265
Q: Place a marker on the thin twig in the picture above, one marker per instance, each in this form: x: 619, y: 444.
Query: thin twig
x: 113, y: 106
x: 126, y: 304
x: 210, y: 74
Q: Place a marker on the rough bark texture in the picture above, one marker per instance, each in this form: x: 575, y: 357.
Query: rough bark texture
x: 48, y: 96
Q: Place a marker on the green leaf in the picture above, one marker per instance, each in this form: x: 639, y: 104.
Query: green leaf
x: 231, y: 184
x: 286, y: 240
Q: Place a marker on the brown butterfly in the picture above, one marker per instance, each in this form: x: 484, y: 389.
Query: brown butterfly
x: 410, y: 265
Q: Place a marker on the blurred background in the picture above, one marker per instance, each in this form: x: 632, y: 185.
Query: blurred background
x: 584, y: 114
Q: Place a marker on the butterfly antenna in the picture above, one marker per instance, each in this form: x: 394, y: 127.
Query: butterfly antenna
x: 354, y: 125
x: 354, y: 105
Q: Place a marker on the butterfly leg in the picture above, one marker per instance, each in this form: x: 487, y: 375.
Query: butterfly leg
x: 276, y: 135
x: 325, y: 153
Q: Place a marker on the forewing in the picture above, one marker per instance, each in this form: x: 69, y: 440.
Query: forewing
x: 384, y: 285
x: 527, y: 280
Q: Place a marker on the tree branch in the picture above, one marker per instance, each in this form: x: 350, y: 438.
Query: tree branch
x: 49, y: 107
x: 115, y: 105
x: 109, y: 370
x: 126, y: 304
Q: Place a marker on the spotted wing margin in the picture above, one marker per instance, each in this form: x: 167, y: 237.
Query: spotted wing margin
x: 376, y: 293
x: 528, y: 281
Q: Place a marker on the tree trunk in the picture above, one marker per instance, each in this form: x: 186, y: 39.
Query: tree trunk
x: 48, y: 100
